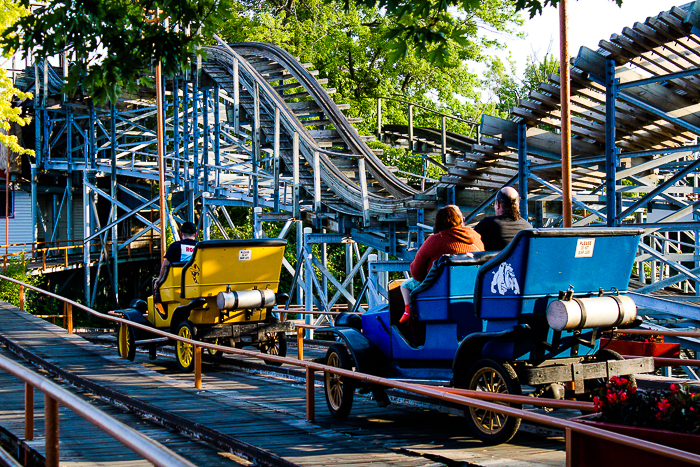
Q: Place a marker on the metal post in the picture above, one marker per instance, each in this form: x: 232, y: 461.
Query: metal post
x: 565, y: 96
x: 206, y: 136
x: 28, y: 412
x: 410, y: 127
x: 523, y: 169
x: 35, y: 205
x: 69, y: 318
x: 363, y: 190
x: 113, y: 192
x: 86, y: 232
x: 51, y: 430
x: 69, y: 209
x: 195, y: 133
x: 257, y: 224
x: 206, y: 222
x: 379, y: 118
x: 256, y: 140
x: 176, y: 130
x: 310, y: 399
x: 197, y: 367
x: 92, y: 150
x: 444, y: 139
x: 185, y: 132
x: 300, y: 343
x: 297, y: 184
x: 217, y: 138
x: 276, y: 161
x: 611, y: 155
x: 317, y: 183
x: 236, y: 100
x: 309, y: 270
x: 21, y: 297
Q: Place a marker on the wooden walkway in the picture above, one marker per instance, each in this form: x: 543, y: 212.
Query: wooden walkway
x: 263, y: 411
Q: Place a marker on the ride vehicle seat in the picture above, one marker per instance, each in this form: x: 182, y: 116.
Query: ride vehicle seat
x: 447, y: 293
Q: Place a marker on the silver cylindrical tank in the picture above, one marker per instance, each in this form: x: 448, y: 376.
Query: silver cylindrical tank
x: 591, y: 312
x: 245, y: 299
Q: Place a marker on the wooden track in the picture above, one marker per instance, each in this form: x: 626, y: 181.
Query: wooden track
x: 266, y: 412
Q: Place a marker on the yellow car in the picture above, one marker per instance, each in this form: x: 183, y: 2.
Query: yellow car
x: 224, y: 294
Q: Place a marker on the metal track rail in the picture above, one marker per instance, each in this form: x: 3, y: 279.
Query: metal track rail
x: 155, y: 414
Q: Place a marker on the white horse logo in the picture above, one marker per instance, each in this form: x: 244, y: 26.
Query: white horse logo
x: 504, y: 280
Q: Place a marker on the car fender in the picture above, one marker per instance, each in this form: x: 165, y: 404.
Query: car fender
x: 136, y: 316
x: 469, y: 350
x: 367, y: 356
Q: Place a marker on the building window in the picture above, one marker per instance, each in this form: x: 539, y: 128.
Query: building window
x: 3, y: 195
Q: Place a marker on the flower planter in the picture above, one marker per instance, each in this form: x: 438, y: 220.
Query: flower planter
x: 642, y: 349
x: 587, y: 451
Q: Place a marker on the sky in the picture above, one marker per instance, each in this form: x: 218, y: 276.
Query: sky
x: 589, y: 22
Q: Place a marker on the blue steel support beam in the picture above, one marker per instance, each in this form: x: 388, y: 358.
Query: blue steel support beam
x: 217, y: 136
x: 661, y: 78
x: 195, y: 133
x: 659, y: 113
x: 92, y: 151
x: 206, y: 135
x: 185, y: 132
x: 176, y: 130
x: 611, y: 155
x: 523, y: 168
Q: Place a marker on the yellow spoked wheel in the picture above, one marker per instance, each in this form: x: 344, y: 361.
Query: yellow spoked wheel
x: 276, y: 344
x: 490, y: 426
x: 126, y: 344
x: 216, y: 353
x: 185, y: 352
x: 339, y: 390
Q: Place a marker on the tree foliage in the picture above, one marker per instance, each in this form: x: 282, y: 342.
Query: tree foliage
x: 9, y: 13
x: 502, y: 80
x: 534, y: 7
x: 112, y: 43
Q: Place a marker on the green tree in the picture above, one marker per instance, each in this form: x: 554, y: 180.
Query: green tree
x: 9, y: 13
x: 113, y: 43
x: 502, y: 81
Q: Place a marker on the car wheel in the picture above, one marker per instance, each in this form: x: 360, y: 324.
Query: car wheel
x: 489, y: 426
x: 126, y: 334
x: 185, y: 352
x: 275, y: 345
x: 603, y: 355
x: 339, y: 390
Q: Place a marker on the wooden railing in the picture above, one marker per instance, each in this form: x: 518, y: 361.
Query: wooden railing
x: 44, y: 250
x: 54, y: 395
x: 478, y: 399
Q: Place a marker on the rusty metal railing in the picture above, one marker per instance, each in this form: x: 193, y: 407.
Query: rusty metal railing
x: 481, y: 400
x: 54, y: 394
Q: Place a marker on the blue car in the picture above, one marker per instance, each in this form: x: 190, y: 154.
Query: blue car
x: 529, y: 315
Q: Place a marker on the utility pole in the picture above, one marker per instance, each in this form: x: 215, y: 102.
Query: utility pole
x: 565, y: 94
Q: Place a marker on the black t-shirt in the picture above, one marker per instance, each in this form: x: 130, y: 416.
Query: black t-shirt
x: 180, y: 251
x: 497, y: 231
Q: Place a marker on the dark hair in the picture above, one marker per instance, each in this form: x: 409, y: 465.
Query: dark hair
x: 447, y: 217
x: 509, y: 205
x: 188, y: 228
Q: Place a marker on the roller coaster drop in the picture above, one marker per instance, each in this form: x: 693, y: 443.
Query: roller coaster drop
x: 251, y: 126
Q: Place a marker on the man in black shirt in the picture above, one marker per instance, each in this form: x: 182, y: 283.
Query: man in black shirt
x: 497, y: 231
x: 181, y: 250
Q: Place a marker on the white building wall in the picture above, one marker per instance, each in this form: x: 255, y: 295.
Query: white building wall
x: 20, y: 226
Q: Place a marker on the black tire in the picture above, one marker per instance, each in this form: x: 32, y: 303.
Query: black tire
x: 489, y: 426
x: 130, y: 342
x: 184, y: 353
x: 604, y: 355
x: 339, y: 390
x: 275, y: 345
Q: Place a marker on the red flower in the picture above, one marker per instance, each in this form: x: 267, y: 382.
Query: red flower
x: 674, y: 389
x: 611, y: 397
x: 632, y: 390
x: 622, y: 396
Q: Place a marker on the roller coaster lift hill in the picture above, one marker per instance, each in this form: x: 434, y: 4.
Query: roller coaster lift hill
x: 527, y: 316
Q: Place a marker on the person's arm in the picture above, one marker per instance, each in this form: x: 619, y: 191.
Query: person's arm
x: 419, y: 266
x: 163, y: 268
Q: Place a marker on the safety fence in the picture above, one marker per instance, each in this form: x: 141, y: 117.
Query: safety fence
x: 54, y: 395
x: 574, y: 431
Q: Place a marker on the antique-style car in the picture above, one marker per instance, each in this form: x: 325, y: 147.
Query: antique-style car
x: 527, y: 316
x: 224, y: 294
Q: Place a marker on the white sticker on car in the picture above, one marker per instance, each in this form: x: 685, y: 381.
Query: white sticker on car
x: 584, y: 248
x: 244, y: 255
